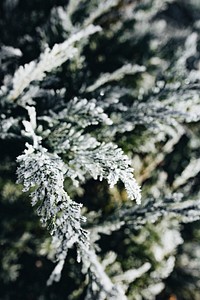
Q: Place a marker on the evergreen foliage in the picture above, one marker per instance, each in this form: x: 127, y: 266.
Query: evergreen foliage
x: 100, y: 106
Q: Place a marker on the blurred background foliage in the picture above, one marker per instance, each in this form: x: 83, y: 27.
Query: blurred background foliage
x: 150, y: 33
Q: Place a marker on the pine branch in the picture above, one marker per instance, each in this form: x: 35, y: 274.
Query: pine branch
x: 116, y: 76
x: 48, y: 61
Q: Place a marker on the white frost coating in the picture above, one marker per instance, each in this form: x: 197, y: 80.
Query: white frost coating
x: 32, y: 116
x: 153, y: 290
x: 190, y: 48
x: 44, y: 173
x: 103, y: 7
x: 192, y: 169
x: 106, y: 161
x: 170, y: 239
x: 116, y: 75
x: 30, y: 126
x: 131, y: 275
x: 101, y: 281
x: 83, y: 112
x: 55, y: 275
x: 106, y: 228
x: 164, y: 269
x: 49, y: 60
x: 8, y: 51
x: 109, y: 259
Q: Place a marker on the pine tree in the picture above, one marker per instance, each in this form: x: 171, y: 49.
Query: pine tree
x: 100, y: 158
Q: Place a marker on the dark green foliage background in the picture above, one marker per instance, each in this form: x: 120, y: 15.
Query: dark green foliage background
x: 24, y: 270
